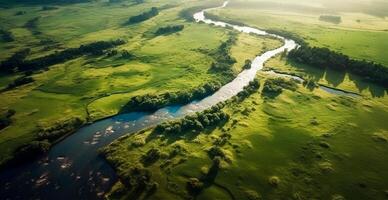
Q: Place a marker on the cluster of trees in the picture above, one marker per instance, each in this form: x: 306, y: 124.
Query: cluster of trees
x: 6, y: 36
x: 153, y: 102
x: 60, y: 129
x: 45, y: 138
x: 247, y: 64
x: 323, y: 57
x: 20, y: 81
x: 17, y: 59
x: 18, y: 62
x: 151, y: 156
x: 331, y: 19
x: 196, y: 122
x: 223, y: 61
x: 144, y: 16
x: 276, y: 86
x: 138, y: 180
x: 252, y: 87
x: 169, y: 29
x: 5, y: 118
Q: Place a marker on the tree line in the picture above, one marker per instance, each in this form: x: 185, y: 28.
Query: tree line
x: 274, y: 87
x: 323, y: 58
x: 18, y: 63
x: 169, y: 29
x: 196, y: 122
x: 223, y: 62
x: 144, y: 16
x: 152, y: 102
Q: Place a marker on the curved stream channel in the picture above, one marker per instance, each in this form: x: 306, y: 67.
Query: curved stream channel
x: 73, y: 170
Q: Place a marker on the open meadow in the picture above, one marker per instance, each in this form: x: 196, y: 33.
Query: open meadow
x: 290, y: 145
x: 362, y: 32
x: 95, y: 87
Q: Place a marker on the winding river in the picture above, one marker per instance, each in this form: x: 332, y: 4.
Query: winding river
x: 73, y: 170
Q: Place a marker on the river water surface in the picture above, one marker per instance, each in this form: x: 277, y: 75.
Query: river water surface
x: 73, y: 169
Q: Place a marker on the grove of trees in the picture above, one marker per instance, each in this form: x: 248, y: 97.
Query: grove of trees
x: 169, y: 29
x: 323, y: 58
x: 18, y: 62
x: 144, y: 16
x: 197, y: 122
x: 151, y: 102
x: 223, y: 61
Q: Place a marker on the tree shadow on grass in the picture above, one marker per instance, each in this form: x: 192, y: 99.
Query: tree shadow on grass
x: 335, y: 78
x: 376, y: 91
x: 315, y: 73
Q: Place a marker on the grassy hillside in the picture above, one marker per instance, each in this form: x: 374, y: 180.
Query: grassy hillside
x: 360, y: 34
x: 297, y: 144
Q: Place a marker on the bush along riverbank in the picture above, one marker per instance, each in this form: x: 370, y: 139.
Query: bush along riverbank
x: 45, y: 138
x: 139, y: 179
x: 151, y: 102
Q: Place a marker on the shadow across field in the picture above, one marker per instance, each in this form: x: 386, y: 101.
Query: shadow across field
x: 336, y: 78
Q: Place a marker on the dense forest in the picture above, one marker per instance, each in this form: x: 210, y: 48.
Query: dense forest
x: 18, y: 63
x: 144, y: 16
x: 324, y: 57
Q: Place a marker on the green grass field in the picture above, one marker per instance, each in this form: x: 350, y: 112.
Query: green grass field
x: 360, y: 35
x: 100, y: 86
x: 302, y: 144
x: 298, y: 145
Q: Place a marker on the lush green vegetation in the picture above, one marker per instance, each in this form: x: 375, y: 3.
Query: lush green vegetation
x: 276, y: 139
x: 94, y: 86
x: 17, y: 62
x: 223, y: 60
x: 361, y: 34
x: 150, y: 102
x: 169, y: 29
x: 323, y: 57
x: 274, y: 87
x: 197, y: 122
x: 293, y: 145
x: 144, y: 16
